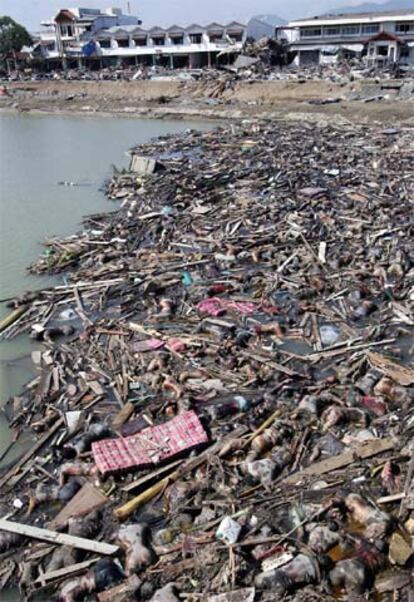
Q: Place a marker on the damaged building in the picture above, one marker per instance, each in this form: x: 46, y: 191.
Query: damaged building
x: 95, y: 39
x: 384, y: 38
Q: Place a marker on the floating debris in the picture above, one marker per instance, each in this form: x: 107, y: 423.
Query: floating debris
x: 235, y: 388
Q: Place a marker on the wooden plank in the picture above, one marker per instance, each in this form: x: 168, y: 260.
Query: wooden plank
x: 86, y: 500
x: 390, y: 499
x: 67, y: 571
x: 150, y: 476
x: 120, y: 591
x: 403, y: 375
x: 58, y: 538
x: 123, y: 415
x: 30, y: 453
x: 365, y: 450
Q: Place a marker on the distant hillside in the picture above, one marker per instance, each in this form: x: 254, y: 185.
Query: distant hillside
x: 367, y: 7
x: 263, y: 26
x: 270, y: 19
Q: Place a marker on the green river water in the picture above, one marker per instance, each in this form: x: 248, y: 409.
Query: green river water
x: 37, y: 152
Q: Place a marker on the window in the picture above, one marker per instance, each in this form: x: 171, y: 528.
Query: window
x: 124, y: 43
x: 311, y: 32
x: 404, y: 27
x: 350, y: 30
x: 105, y: 43
x: 67, y: 30
x: 236, y: 37
x: 371, y: 29
x: 158, y: 41
x: 215, y: 37
x: 142, y: 41
x: 332, y: 31
x: 405, y: 52
x: 382, y: 50
x: 195, y: 38
x: 177, y: 40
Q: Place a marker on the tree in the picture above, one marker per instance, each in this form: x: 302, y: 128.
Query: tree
x: 12, y: 37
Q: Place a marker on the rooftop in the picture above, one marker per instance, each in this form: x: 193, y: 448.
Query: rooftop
x: 174, y: 28
x: 356, y: 16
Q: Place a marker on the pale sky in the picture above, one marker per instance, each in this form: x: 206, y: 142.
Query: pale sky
x: 168, y: 12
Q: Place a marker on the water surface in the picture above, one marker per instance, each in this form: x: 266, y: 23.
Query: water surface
x: 37, y: 152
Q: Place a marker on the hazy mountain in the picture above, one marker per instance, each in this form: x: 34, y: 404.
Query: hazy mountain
x: 270, y: 19
x: 263, y: 26
x: 367, y: 7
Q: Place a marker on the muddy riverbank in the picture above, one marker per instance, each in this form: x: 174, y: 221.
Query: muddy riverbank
x: 194, y: 100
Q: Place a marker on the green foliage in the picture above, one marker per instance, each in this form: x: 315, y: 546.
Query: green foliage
x: 12, y: 36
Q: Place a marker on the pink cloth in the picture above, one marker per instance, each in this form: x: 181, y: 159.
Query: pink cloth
x: 215, y: 306
x: 176, y: 345
x: 148, y: 345
x: 150, y: 446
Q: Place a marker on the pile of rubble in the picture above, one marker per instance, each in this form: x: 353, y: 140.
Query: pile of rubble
x: 224, y: 404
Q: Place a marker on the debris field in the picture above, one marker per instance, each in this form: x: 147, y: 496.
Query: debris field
x: 223, y: 407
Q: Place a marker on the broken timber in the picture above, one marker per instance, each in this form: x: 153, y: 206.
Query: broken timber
x: 366, y: 450
x: 59, y: 538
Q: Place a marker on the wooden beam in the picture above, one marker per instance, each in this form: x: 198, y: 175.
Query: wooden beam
x: 365, y: 450
x: 58, y: 538
x: 67, y: 571
x: 12, y: 317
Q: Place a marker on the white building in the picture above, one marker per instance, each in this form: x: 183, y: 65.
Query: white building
x: 192, y: 46
x: 68, y: 32
x: 385, y: 38
x: 108, y: 38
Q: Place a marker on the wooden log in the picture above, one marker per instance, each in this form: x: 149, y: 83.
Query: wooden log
x: 58, y: 538
x: 127, y: 509
x: 12, y: 317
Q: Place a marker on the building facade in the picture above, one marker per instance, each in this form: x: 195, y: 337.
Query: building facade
x: 193, y: 46
x: 94, y: 38
x: 383, y: 38
x: 66, y: 35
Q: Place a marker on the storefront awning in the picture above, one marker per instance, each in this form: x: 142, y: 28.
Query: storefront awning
x: 354, y: 47
x: 297, y: 48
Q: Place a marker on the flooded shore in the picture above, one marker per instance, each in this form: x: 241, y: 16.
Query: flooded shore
x: 51, y: 175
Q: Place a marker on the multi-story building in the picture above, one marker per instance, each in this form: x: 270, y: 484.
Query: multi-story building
x: 108, y: 38
x: 384, y: 38
x: 66, y: 35
x: 175, y: 47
